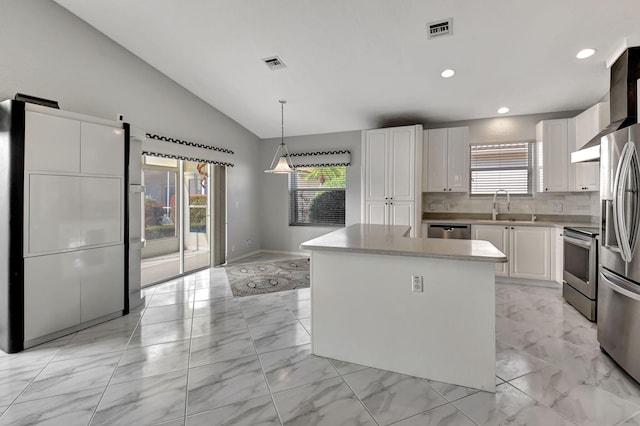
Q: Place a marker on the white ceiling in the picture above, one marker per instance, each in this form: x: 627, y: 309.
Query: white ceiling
x: 357, y: 64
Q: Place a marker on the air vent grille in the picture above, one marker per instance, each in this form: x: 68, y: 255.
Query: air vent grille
x: 440, y: 28
x: 274, y: 63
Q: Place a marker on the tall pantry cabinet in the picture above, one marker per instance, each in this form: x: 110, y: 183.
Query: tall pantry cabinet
x: 392, y: 176
x: 62, y: 226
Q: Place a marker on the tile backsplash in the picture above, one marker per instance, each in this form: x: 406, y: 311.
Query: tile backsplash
x: 574, y: 204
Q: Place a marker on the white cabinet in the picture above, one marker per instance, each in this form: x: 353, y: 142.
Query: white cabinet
x: 102, y: 149
x: 528, y: 249
x: 498, y: 235
x: 102, y: 286
x: 391, y: 176
x: 552, y: 138
x: 446, y: 159
x: 53, y: 143
x: 66, y: 289
x: 51, y: 294
x: 588, y: 124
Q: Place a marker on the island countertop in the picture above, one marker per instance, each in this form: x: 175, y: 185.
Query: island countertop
x: 392, y: 240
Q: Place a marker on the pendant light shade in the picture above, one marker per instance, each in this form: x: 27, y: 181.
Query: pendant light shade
x: 281, y: 161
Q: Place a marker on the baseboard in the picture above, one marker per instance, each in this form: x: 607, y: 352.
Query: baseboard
x: 235, y: 259
x: 523, y: 281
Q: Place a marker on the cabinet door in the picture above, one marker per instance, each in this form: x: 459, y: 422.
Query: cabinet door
x: 375, y: 164
x: 51, y: 293
x: 376, y: 212
x: 101, y: 150
x: 402, y: 151
x: 102, y: 286
x: 401, y: 213
x: 458, y: 159
x: 52, y: 144
x: 497, y: 235
x: 530, y: 252
x: 436, y: 160
x: 54, y: 211
x: 552, y: 144
x: 588, y: 124
x: 101, y: 219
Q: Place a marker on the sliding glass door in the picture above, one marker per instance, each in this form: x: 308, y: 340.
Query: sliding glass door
x: 177, y: 226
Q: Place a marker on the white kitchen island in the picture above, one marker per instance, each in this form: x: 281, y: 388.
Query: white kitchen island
x: 364, y: 309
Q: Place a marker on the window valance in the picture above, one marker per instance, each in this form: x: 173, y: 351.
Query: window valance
x: 331, y: 158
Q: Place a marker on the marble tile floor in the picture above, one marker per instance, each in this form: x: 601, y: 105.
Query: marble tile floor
x: 194, y: 355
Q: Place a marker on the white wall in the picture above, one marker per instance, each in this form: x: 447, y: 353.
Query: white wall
x: 274, y: 201
x: 48, y: 52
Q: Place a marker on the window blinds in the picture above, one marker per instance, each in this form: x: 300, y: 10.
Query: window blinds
x: 506, y: 166
x: 317, y: 196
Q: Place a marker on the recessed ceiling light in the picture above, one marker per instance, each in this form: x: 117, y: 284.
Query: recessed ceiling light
x: 447, y: 73
x: 585, y: 53
x: 503, y: 110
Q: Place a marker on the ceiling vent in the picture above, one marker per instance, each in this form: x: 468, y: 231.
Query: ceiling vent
x: 440, y: 28
x: 274, y: 63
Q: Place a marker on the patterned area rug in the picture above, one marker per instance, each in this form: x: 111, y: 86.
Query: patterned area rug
x: 268, y: 277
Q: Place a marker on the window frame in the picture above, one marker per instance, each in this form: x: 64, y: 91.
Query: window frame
x: 531, y: 168
x: 293, y: 199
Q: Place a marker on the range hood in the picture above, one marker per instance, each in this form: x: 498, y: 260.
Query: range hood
x: 623, y: 102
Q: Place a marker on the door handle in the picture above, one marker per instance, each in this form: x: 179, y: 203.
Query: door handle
x: 618, y: 288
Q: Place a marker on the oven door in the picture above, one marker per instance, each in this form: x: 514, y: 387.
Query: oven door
x: 580, y: 264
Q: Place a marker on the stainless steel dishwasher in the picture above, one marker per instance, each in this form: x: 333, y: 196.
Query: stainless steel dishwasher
x: 449, y: 231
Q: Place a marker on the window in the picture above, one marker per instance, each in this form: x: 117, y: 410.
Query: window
x: 506, y: 166
x: 317, y: 196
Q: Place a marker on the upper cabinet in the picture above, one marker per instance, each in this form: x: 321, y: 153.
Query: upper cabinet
x: 552, y: 143
x: 62, y: 145
x: 391, y: 176
x: 588, y: 124
x: 446, y: 157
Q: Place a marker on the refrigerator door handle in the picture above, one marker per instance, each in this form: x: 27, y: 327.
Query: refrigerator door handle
x: 619, y: 286
x: 619, y: 185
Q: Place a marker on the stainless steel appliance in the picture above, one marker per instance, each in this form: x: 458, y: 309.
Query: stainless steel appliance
x: 580, y: 273
x: 619, y: 280
x: 449, y: 231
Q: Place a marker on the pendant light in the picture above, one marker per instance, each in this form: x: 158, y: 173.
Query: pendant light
x: 281, y: 161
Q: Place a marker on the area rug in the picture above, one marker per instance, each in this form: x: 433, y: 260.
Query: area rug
x: 268, y: 277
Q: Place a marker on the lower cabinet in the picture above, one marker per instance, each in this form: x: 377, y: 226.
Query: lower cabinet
x: 390, y: 213
x: 528, y: 249
x: 64, y: 290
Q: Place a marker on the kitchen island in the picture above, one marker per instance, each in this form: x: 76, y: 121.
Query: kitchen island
x: 367, y: 310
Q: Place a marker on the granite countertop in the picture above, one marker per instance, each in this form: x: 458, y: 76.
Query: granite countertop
x: 511, y: 223
x: 392, y: 240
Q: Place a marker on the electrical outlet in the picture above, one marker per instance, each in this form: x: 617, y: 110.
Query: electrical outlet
x: 433, y: 206
x: 233, y: 247
x: 557, y: 207
x: 446, y: 207
x: 249, y: 242
x: 416, y: 284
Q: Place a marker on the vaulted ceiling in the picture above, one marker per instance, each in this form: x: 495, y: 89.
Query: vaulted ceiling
x: 356, y: 64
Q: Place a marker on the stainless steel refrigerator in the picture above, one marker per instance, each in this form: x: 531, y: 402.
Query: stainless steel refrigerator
x: 619, y: 282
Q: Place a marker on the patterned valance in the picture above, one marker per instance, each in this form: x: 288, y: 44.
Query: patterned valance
x: 182, y: 157
x: 321, y: 158
x: 168, y: 147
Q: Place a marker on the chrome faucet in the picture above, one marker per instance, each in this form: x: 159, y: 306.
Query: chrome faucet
x: 494, y: 210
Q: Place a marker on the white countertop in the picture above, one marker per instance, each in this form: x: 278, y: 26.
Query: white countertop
x: 391, y: 240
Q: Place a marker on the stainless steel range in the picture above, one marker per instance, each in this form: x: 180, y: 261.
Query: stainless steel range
x: 580, y: 273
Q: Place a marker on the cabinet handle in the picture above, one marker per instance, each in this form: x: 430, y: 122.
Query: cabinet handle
x: 512, y: 227
x: 546, y: 189
x: 445, y: 189
x: 391, y: 198
x: 449, y: 189
x: 391, y: 204
x: 506, y: 227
